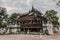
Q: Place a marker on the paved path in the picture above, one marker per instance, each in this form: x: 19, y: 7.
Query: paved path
x: 29, y: 37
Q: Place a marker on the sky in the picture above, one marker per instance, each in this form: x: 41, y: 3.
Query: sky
x: 23, y: 6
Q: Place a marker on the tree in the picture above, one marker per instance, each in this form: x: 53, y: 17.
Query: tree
x: 52, y: 16
x: 14, y: 15
x: 3, y: 16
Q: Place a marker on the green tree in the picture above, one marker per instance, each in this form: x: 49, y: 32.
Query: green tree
x: 52, y: 16
x: 13, y: 16
x: 3, y: 16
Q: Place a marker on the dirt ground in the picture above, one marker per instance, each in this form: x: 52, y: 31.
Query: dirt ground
x: 29, y: 37
x: 55, y: 36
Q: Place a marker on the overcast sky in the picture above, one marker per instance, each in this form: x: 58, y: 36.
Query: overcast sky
x: 21, y: 6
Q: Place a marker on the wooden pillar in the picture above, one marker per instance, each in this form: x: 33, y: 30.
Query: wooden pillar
x: 7, y: 31
x: 18, y: 30
x: 40, y: 32
x: 10, y: 30
x: 23, y: 31
x: 28, y: 31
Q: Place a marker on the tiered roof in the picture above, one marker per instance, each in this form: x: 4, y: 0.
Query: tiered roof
x: 34, y: 14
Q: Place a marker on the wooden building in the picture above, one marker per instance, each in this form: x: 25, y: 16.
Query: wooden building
x: 31, y: 21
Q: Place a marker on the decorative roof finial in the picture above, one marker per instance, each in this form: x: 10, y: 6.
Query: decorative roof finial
x: 32, y: 8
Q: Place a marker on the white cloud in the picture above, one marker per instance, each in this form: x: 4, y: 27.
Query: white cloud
x: 25, y: 5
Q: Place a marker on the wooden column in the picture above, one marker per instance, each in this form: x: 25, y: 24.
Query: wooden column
x: 28, y: 31
x: 10, y: 30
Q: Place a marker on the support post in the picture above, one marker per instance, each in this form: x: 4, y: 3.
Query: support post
x: 28, y: 31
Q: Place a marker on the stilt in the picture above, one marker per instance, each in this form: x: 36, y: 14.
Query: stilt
x: 18, y: 30
x: 28, y: 31
x: 23, y: 31
x: 7, y: 31
x: 40, y: 32
x: 10, y: 31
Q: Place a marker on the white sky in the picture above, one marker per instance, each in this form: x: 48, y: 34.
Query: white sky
x: 25, y: 5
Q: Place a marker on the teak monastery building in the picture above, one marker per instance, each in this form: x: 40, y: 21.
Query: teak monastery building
x: 32, y: 21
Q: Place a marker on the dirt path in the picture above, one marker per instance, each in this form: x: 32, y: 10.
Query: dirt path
x: 29, y: 37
